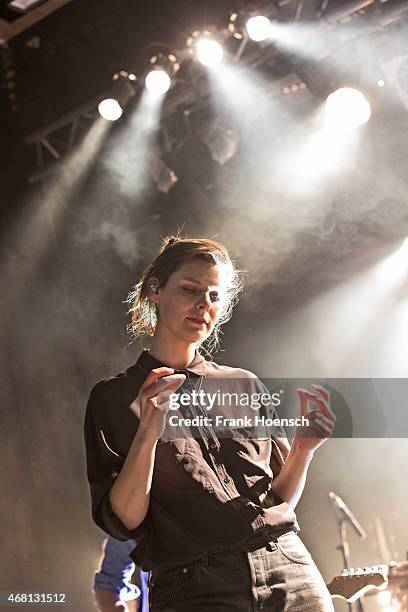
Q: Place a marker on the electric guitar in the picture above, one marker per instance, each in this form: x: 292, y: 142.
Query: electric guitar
x: 353, y: 583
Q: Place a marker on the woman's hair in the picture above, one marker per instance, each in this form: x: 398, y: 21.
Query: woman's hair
x: 173, y: 253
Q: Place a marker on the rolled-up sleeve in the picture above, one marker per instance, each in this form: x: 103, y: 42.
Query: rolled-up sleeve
x: 103, y: 466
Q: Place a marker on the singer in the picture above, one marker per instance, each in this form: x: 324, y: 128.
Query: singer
x: 213, y: 516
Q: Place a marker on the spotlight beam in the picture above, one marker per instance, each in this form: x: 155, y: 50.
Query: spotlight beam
x: 34, y: 231
x: 127, y: 160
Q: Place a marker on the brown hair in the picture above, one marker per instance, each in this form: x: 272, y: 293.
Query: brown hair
x: 173, y: 253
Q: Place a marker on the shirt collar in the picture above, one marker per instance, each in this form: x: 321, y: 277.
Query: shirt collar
x: 147, y: 362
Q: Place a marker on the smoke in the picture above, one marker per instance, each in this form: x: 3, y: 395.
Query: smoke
x: 126, y: 161
x: 296, y: 202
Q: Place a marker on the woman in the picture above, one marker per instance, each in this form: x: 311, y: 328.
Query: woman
x: 213, y: 514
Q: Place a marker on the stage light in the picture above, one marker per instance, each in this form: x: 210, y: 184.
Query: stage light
x: 111, y: 108
x: 248, y: 24
x: 259, y: 28
x: 209, y: 51
x: 165, y: 67
x: 164, y: 177
x: 346, y: 109
x: 221, y: 138
x: 158, y: 82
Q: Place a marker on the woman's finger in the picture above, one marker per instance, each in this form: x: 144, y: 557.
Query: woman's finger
x: 323, y: 427
x: 153, y: 377
x: 307, y: 397
x: 316, y: 428
x: 325, y: 394
x: 303, y: 400
x: 316, y: 415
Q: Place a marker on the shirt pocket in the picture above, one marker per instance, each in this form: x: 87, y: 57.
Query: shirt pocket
x: 181, y: 471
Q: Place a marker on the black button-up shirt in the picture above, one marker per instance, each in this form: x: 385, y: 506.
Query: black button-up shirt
x: 205, y: 489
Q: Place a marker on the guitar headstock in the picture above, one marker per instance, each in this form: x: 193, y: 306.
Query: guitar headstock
x: 352, y: 583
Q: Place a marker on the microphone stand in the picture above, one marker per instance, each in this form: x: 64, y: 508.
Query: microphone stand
x: 344, y: 548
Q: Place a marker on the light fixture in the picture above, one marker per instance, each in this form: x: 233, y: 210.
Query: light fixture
x: 221, y: 138
x: 346, y: 109
x: 164, y: 68
x: 259, y: 28
x: 164, y: 177
x: 24, y: 6
x: 209, y: 51
x: 110, y: 109
x: 123, y: 88
x: 244, y: 24
x: 206, y: 48
x: 158, y: 82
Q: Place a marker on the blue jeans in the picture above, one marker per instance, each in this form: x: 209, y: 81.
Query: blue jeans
x: 272, y: 574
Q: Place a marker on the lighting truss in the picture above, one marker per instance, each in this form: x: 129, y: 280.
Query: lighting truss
x: 51, y: 147
x: 52, y: 144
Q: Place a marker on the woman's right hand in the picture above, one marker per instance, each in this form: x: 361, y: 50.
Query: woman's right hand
x: 151, y: 405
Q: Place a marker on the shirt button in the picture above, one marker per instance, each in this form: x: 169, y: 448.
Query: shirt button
x: 213, y: 445
x: 185, y: 570
x: 227, y: 480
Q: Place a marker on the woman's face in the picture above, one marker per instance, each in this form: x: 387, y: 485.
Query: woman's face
x: 192, y: 300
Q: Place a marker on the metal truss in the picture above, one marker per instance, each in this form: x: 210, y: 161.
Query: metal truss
x: 53, y: 143
x: 9, y: 30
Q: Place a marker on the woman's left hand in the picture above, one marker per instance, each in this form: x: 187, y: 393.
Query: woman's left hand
x: 314, y: 406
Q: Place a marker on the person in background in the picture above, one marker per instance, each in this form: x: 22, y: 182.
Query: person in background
x: 112, y: 587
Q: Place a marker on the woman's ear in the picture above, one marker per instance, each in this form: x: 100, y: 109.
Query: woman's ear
x: 153, y: 290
